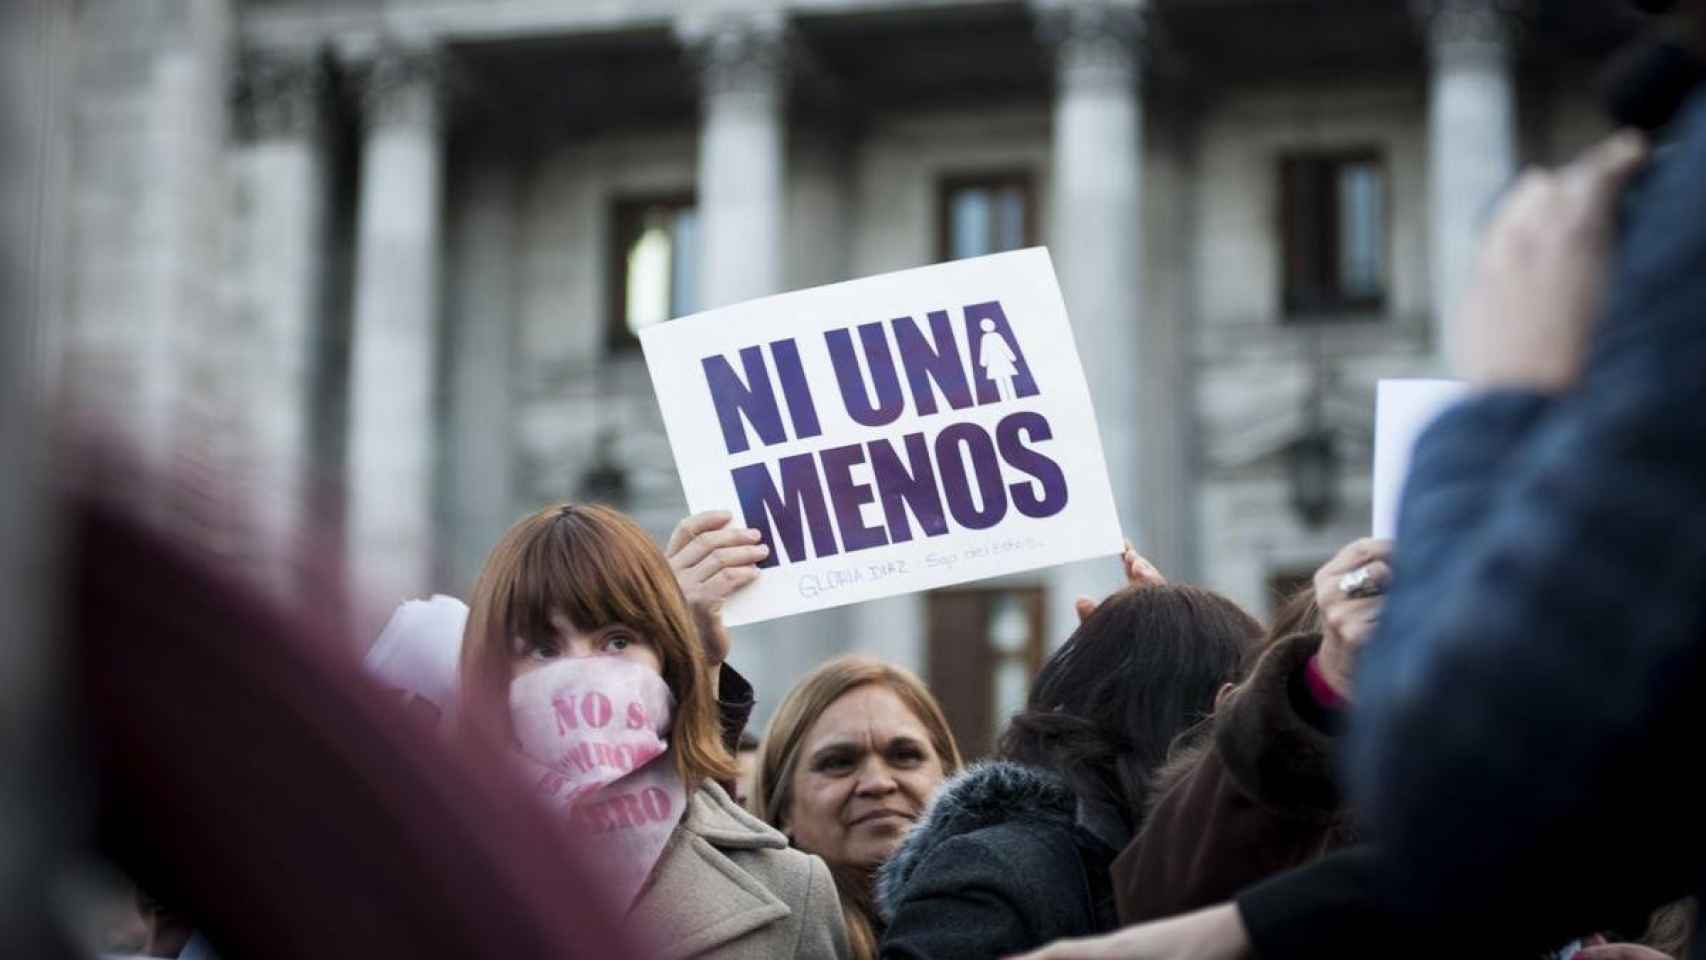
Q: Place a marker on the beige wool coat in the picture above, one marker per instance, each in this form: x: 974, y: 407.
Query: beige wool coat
x: 728, y: 886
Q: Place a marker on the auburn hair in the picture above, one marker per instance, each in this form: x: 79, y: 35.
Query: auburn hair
x: 596, y: 567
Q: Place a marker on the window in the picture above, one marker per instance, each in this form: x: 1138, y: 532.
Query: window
x: 985, y: 647
x: 985, y: 214
x: 1333, y: 233
x: 655, y: 266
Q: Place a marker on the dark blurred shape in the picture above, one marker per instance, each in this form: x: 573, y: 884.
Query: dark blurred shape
x: 1647, y: 83
x: 1586, y: 28
x: 247, y: 776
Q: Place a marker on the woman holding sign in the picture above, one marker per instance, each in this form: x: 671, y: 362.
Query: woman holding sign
x: 581, y: 652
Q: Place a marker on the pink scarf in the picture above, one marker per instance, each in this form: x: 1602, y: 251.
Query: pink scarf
x: 592, y: 734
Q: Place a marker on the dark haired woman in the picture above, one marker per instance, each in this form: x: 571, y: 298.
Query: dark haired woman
x: 1015, y: 853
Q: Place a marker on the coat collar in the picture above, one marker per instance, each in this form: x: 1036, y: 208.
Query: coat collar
x: 983, y: 795
x: 697, y: 898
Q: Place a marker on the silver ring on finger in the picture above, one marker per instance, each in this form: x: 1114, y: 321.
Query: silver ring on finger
x: 1360, y: 583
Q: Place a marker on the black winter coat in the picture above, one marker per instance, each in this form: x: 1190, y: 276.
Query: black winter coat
x: 1006, y: 860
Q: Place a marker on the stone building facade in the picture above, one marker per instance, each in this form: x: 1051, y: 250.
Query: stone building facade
x: 383, y: 258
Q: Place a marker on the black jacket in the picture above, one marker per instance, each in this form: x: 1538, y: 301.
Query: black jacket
x: 1007, y: 859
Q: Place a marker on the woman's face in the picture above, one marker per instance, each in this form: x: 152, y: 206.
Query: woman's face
x: 613, y: 640
x: 866, y: 769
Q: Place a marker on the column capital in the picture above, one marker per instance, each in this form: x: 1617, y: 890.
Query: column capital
x: 737, y: 52
x: 281, y: 94
x: 1097, y: 44
x: 402, y: 85
x: 1468, y: 31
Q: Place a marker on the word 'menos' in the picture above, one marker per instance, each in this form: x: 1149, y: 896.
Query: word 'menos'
x: 958, y: 474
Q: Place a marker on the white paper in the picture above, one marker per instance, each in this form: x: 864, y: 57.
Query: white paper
x: 1402, y: 410
x: 1019, y: 381
x: 417, y: 652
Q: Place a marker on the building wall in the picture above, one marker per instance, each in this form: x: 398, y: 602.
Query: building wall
x: 1255, y: 371
x: 526, y: 388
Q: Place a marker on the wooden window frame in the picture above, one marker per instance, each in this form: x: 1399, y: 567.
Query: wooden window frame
x: 626, y: 212
x: 1326, y: 302
x: 955, y: 614
x: 948, y: 184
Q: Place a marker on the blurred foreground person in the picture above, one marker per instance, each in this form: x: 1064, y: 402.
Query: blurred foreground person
x: 244, y: 772
x: 1559, y: 516
x: 581, y: 652
x: 1016, y: 852
x: 850, y: 761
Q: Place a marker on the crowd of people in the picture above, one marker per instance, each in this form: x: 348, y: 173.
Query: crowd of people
x: 1471, y: 739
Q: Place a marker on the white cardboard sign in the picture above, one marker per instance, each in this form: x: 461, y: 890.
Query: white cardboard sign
x: 897, y: 433
x: 1402, y: 410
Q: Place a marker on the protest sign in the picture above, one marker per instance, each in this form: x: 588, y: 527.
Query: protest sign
x: 901, y: 432
x: 1402, y: 410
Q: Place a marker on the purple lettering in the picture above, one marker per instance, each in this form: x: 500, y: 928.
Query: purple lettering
x: 848, y: 497
x: 955, y: 484
x: 801, y: 409
x: 902, y: 486
x: 755, y: 399
x: 1020, y: 457
x: 797, y: 507
x: 928, y: 364
x: 854, y: 392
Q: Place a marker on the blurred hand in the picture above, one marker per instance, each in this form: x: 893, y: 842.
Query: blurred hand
x: 712, y: 559
x: 1540, y: 276
x: 1137, y: 570
x: 1216, y: 933
x: 1348, y: 622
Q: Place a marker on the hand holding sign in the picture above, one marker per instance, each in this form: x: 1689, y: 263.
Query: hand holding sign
x: 1348, y: 619
x: 1139, y: 572
x: 883, y: 436
x: 712, y: 560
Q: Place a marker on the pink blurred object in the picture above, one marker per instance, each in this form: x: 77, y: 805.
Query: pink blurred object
x: 247, y: 774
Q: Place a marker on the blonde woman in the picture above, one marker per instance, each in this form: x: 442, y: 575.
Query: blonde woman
x: 852, y: 757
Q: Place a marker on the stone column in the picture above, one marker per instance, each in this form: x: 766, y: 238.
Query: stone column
x: 392, y: 367
x: 1471, y: 139
x: 148, y: 141
x: 1096, y: 241
x: 37, y: 830
x: 481, y: 338
x: 284, y: 181
x: 740, y: 55
x: 741, y: 161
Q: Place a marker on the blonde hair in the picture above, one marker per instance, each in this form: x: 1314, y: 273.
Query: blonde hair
x: 594, y: 566
x: 785, y: 741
